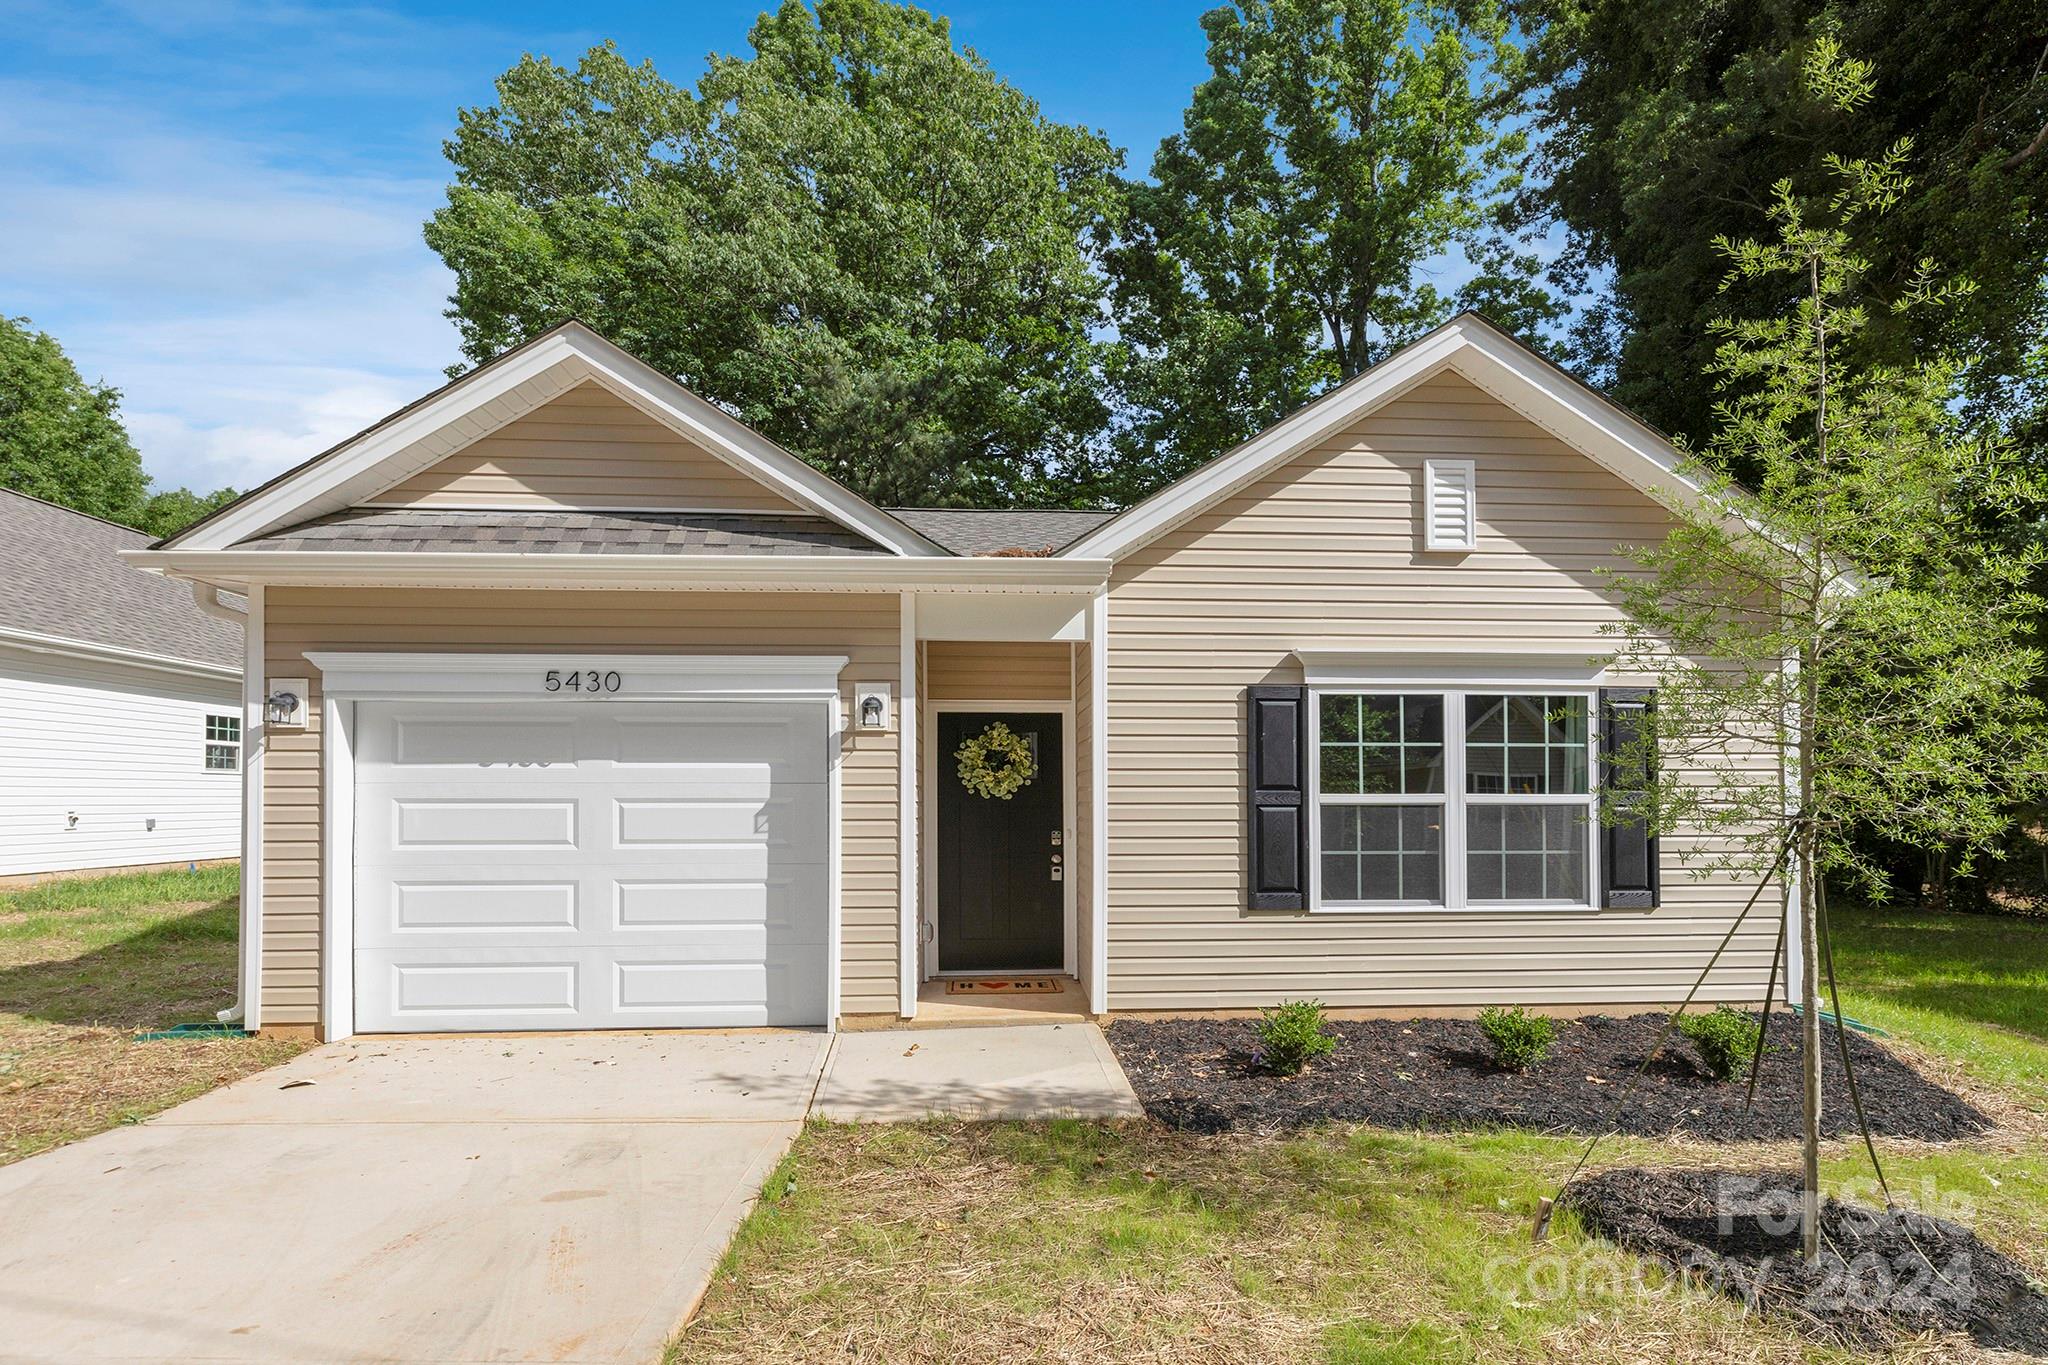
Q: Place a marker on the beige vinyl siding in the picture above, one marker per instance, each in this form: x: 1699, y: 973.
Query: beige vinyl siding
x: 591, y: 449
x: 977, y: 670
x: 1326, y: 552
x: 297, y: 620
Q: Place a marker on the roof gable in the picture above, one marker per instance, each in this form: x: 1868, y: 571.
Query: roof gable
x: 1591, y: 424
x: 590, y: 450
x: 490, y: 399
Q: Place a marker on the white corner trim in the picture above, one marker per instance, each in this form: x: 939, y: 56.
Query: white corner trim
x: 623, y: 677
x: 1483, y: 354
x: 908, y: 708
x: 1098, y: 805
x: 135, y: 658
x: 508, y: 388
x: 1457, y: 668
x: 254, y: 741
x: 337, y: 873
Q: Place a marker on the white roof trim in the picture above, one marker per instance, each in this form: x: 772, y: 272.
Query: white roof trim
x: 1475, y: 349
x: 489, y: 569
x: 508, y: 388
x: 134, y: 658
x: 520, y: 676
x: 1339, y: 666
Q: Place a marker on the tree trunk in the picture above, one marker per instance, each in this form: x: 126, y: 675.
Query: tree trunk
x: 1809, y: 1045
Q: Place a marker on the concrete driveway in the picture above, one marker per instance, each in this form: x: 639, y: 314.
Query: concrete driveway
x: 533, y: 1198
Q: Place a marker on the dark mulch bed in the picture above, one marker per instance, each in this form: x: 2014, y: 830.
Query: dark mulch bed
x: 1880, y: 1276
x: 1203, y: 1075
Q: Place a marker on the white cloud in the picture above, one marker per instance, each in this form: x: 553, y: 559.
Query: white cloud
x: 250, y: 311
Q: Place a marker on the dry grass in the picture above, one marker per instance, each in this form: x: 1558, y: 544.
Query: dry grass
x: 1127, y: 1242
x: 84, y: 965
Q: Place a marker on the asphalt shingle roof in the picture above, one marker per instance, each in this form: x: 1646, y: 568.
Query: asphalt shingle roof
x: 568, y: 532
x: 972, y: 531
x: 61, y: 578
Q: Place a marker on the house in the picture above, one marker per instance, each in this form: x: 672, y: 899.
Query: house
x: 120, y: 704
x: 590, y: 707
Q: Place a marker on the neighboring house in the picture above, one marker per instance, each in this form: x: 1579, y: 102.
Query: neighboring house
x: 619, y: 715
x: 120, y: 704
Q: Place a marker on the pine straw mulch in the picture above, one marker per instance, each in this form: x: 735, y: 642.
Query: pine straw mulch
x: 1883, y: 1277
x: 1438, y: 1074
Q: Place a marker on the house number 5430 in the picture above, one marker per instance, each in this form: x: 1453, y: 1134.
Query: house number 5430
x: 580, y: 680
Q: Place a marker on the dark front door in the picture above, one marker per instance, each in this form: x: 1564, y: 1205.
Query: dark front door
x: 1001, y: 863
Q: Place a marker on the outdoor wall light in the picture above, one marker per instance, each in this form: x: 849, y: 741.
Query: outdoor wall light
x: 871, y: 706
x: 284, y: 703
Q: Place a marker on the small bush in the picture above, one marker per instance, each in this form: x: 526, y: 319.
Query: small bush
x: 1727, y: 1040
x: 1293, y: 1035
x: 1520, y: 1039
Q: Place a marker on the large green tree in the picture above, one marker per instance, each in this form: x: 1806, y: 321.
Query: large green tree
x: 858, y: 237
x: 61, y: 440
x: 1339, y: 155
x: 1663, y: 125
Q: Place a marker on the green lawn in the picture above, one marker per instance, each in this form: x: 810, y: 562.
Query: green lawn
x: 1972, y: 987
x: 1114, y: 1242
x: 87, y: 963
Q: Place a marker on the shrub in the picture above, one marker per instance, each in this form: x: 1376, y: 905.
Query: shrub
x: 1293, y: 1035
x: 1520, y: 1039
x: 1726, y: 1039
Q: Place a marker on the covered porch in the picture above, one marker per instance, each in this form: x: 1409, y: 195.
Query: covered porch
x: 1005, y: 882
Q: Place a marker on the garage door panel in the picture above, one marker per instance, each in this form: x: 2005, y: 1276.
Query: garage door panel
x: 439, y: 741
x: 718, y: 735
x: 791, y: 820
x: 780, y: 903
x: 788, y: 991
x: 442, y: 823
x: 479, y: 906
x: 504, y: 988
x: 613, y: 864
x: 481, y: 989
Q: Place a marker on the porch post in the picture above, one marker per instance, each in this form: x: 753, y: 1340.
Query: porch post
x: 1098, y: 804
x: 254, y: 742
x: 908, y: 921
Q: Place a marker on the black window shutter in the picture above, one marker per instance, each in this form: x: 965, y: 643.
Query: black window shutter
x: 1628, y: 851
x: 1276, y: 768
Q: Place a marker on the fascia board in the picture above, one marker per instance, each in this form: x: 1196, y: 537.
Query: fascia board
x: 511, y: 570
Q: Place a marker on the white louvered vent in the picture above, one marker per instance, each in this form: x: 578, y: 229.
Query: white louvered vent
x: 1450, y: 505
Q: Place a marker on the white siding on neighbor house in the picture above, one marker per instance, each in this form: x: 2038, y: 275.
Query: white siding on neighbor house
x: 117, y: 746
x: 1327, y: 551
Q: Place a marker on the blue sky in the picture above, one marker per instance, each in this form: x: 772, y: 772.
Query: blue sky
x: 216, y: 207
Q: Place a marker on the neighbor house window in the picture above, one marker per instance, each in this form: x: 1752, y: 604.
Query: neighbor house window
x: 223, y: 743
x: 1453, y: 798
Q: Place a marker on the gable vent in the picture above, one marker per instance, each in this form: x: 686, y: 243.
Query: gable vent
x: 1450, y: 505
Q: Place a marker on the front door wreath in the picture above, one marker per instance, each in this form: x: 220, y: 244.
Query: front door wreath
x: 997, y: 763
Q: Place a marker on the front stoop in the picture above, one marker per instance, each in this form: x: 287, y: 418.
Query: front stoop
x: 1035, y: 1071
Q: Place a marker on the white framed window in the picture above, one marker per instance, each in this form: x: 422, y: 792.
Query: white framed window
x: 1460, y: 798
x: 223, y: 744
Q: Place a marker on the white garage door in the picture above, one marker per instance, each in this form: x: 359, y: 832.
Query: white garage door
x: 590, y: 865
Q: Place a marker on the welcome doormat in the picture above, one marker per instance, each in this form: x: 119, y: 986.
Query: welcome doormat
x: 1004, y: 985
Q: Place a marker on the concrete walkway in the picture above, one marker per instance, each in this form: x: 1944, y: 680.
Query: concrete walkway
x: 1025, y: 1072
x: 559, y: 1198
x: 463, y: 1199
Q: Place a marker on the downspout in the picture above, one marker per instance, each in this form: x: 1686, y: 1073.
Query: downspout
x: 206, y: 597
